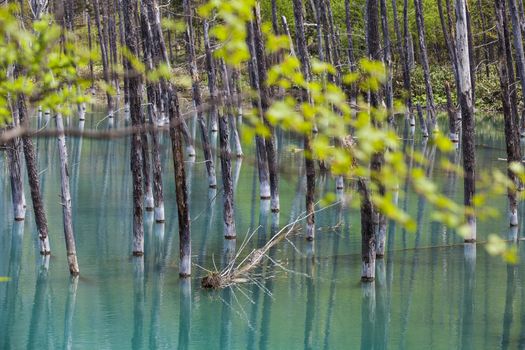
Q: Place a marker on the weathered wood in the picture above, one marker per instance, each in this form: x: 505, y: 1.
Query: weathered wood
x: 511, y: 128
x: 66, y: 199
x: 264, y: 92
x: 420, y: 22
x: 152, y: 93
x: 135, y: 103
x: 518, y: 50
x: 197, y: 98
x: 226, y: 168
x: 14, y: 153
x: 407, y: 86
x: 302, y: 53
x: 467, y: 114
x: 452, y: 115
x: 387, y: 60
x: 34, y: 182
x: 211, y: 70
x: 104, y: 57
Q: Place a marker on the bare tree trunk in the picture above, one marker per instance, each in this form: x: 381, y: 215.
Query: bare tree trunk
x: 387, y: 59
x: 197, y: 99
x: 90, y: 46
x: 264, y: 93
x: 152, y: 92
x: 14, y: 153
x: 467, y: 113
x: 230, y: 231
x: 452, y: 120
x: 135, y: 102
x: 520, y: 55
x: 308, y: 157
x: 104, y: 56
x: 424, y: 62
x: 34, y: 183
x: 212, y: 78
x: 66, y: 200
x: 511, y: 128
x: 161, y: 56
x: 406, y: 64
x: 262, y: 159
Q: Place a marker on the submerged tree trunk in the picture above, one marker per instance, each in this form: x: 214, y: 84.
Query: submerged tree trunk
x: 308, y: 154
x: 424, y: 62
x: 387, y: 60
x: 197, y: 98
x: 34, y: 183
x: 519, y: 51
x: 66, y: 200
x: 406, y: 63
x: 15, y: 172
x: 226, y: 168
x: 264, y: 92
x: 467, y: 114
x: 104, y: 57
x: 152, y: 90
x: 511, y: 129
x: 135, y: 104
x: 452, y: 120
x: 212, y: 78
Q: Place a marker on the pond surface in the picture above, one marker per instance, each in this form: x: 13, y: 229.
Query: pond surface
x: 431, y: 292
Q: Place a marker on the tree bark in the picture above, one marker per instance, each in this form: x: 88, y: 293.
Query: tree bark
x: 152, y: 91
x: 264, y: 92
x: 104, y: 56
x: 519, y: 52
x: 467, y: 113
x: 135, y: 104
x: 226, y: 168
x: 308, y: 155
x: 14, y: 153
x: 66, y: 199
x: 424, y: 62
x: 197, y: 98
x: 387, y: 59
x: 212, y: 78
x: 34, y: 183
x: 511, y: 129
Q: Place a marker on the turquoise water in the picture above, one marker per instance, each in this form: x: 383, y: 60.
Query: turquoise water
x: 431, y: 292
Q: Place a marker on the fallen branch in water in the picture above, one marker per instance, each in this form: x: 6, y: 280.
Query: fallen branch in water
x: 241, y: 273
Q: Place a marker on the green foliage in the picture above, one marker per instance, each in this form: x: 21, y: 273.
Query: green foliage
x: 48, y: 73
x: 349, y: 137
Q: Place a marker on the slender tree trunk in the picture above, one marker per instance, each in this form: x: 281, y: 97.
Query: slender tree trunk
x: 451, y: 47
x: 90, y: 46
x: 262, y: 160
x: 161, y: 56
x: 511, y: 129
x: 264, y: 93
x: 14, y: 154
x: 387, y: 59
x: 520, y: 55
x: 104, y: 56
x: 152, y: 92
x: 406, y: 63
x: 197, y: 99
x: 374, y: 53
x: 308, y: 155
x: 135, y: 102
x: 467, y: 113
x: 471, y: 55
x: 452, y: 120
x: 422, y: 123
x: 226, y: 168
x: 66, y: 200
x: 212, y: 78
x: 487, y: 47
x: 34, y: 183
x: 424, y: 62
